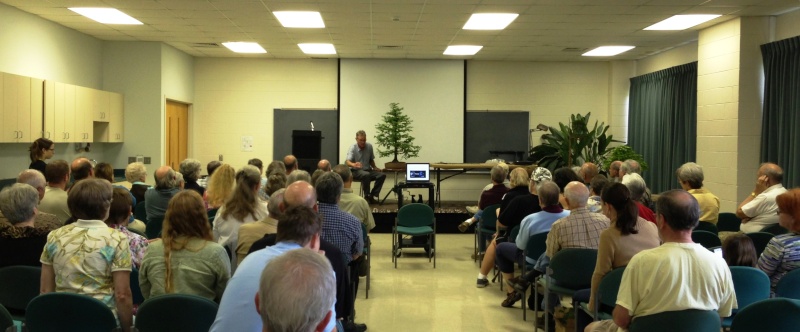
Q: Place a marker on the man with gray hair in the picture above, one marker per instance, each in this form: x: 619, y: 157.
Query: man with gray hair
x: 638, y: 189
x: 490, y: 196
x: 352, y: 203
x: 21, y: 242
x: 629, y: 166
x: 613, y: 171
x: 758, y: 209
x: 690, y: 176
x: 581, y: 229
x: 298, y: 175
x: 361, y: 158
x: 35, y: 179
x: 254, y: 231
x: 157, y: 198
x: 190, y: 168
x: 305, y: 279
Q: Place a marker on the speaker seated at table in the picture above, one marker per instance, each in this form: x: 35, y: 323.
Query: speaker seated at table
x: 361, y: 160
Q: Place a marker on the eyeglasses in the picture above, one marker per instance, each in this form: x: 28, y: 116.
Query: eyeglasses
x: 52, y: 149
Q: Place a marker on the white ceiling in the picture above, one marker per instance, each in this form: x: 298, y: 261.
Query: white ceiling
x: 407, y: 29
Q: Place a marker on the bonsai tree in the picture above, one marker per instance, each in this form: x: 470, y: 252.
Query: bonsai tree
x: 573, y: 144
x: 394, y: 135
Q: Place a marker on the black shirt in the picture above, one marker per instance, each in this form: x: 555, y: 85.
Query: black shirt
x: 38, y: 165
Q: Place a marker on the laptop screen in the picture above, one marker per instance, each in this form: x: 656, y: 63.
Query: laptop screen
x: 418, y: 172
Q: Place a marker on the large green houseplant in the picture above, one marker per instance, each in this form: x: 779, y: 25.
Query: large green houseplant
x: 394, y: 136
x: 573, y: 144
x: 622, y: 153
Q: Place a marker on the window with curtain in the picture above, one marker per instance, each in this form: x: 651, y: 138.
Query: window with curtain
x: 662, y: 122
x: 780, y: 137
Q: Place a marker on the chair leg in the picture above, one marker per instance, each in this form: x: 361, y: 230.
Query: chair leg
x: 369, y: 269
x: 475, y: 246
x: 535, y: 302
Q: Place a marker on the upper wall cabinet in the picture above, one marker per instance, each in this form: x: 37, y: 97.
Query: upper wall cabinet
x: 21, y: 108
x: 78, y: 114
x: 111, y: 129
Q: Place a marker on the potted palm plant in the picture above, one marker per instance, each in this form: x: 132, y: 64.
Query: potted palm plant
x: 394, y: 137
x: 573, y: 144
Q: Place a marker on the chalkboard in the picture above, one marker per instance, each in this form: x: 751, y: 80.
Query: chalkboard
x: 495, y: 131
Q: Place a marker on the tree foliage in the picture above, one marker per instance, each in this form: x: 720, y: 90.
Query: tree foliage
x: 622, y: 153
x: 394, y: 135
x: 573, y: 144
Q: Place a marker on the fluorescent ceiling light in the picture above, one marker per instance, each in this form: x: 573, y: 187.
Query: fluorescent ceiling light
x: 489, y: 21
x: 462, y: 49
x: 608, y: 50
x: 311, y: 48
x: 681, y: 22
x: 244, y: 47
x: 300, y: 19
x: 106, y: 15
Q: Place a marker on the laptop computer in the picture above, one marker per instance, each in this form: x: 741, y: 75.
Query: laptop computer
x: 418, y: 173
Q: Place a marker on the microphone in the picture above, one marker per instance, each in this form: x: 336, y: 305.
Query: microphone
x: 312, y: 125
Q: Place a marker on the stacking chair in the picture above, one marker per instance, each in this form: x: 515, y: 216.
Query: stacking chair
x: 415, y: 219
x: 175, y: 313
x: 212, y: 214
x: 789, y: 285
x: 570, y: 270
x: 751, y: 285
x: 775, y: 229
x: 606, y: 294
x: 770, y: 315
x: 488, y: 226
x: 136, y: 290
x: 139, y: 212
x: 728, y: 222
x: 18, y: 286
x: 671, y: 321
x: 6, y: 320
x: 153, y: 228
x: 535, y: 247
x: 64, y: 311
x: 706, y: 239
x: 706, y: 226
x: 367, y: 253
x: 760, y: 241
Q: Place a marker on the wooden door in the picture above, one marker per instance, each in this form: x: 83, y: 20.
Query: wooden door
x: 177, y: 135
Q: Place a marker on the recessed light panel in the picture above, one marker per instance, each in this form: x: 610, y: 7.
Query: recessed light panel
x: 462, y: 49
x: 681, y: 22
x: 489, y: 21
x: 608, y: 50
x: 106, y: 15
x: 244, y: 47
x: 311, y: 48
x: 291, y: 19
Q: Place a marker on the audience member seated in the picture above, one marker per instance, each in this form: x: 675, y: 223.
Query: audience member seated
x: 631, y: 166
x: 81, y: 168
x: 220, y: 186
x: 324, y: 165
x: 87, y: 257
x: 588, y: 172
x: 185, y: 260
x: 298, y: 175
x: 276, y: 180
x: 757, y: 211
x: 637, y: 187
x: 290, y: 164
x: 243, y: 206
x: 738, y: 250
x: 782, y: 254
x: 314, y: 176
x: 33, y: 178
x: 190, y: 168
x: 21, y: 242
x: 262, y: 194
x: 613, y: 171
x: 596, y: 188
x: 136, y: 174
x: 210, y: 168
x: 562, y: 177
x: 361, y: 159
x: 690, y: 176
x: 351, y: 202
x: 157, y: 198
x: 493, y: 195
x: 678, y: 275
x: 55, y: 193
x: 118, y: 217
x: 179, y: 180
x: 276, y: 166
x: 104, y: 171
x: 303, y: 278
x: 252, y: 232
x: 510, y: 253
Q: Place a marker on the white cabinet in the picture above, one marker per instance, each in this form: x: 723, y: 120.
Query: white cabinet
x: 59, y: 112
x: 116, y: 122
x: 75, y: 114
x: 102, y: 113
x: 21, y: 109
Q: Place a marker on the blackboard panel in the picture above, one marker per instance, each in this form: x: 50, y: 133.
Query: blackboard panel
x: 495, y: 131
x: 325, y: 121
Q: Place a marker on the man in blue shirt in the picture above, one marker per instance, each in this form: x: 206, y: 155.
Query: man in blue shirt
x: 361, y: 158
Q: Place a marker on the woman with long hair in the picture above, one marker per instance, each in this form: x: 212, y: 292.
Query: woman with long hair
x: 185, y: 260
x: 220, y: 186
x: 738, y: 250
x: 40, y: 150
x: 243, y: 206
x: 782, y: 254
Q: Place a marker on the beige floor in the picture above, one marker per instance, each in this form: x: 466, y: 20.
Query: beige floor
x: 417, y: 297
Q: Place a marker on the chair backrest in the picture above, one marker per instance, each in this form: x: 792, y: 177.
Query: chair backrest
x: 512, y: 235
x: 573, y: 268
x: 68, y: 312
x: 489, y: 217
x: 153, y: 229
x: 728, y: 222
x: 789, y: 285
x: 176, y: 312
x: 136, y: 290
x: 18, y: 286
x: 684, y: 320
x: 364, y: 235
x: 6, y: 320
x: 139, y: 212
x: 760, y: 241
x: 750, y: 284
x: 212, y: 214
x: 770, y: 315
x: 609, y: 286
x: 706, y: 226
x: 415, y: 215
x: 775, y: 229
x: 536, y: 245
x: 706, y: 239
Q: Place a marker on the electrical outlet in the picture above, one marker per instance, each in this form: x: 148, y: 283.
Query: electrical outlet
x: 220, y: 157
x: 147, y: 160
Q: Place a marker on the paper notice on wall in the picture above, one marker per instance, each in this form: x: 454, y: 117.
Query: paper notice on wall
x: 247, y: 143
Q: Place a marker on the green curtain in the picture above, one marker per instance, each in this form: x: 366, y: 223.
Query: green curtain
x: 662, y: 122
x: 780, y: 137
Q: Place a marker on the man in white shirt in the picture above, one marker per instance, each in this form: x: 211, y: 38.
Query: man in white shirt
x: 759, y: 209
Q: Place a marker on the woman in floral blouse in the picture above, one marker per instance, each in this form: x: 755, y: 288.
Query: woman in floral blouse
x: 118, y: 217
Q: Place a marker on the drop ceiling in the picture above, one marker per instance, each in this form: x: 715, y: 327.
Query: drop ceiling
x: 546, y: 30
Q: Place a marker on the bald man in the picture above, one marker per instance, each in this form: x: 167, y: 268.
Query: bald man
x: 581, y: 229
x: 588, y: 172
x: 34, y: 179
x: 613, y: 171
x: 290, y: 162
x: 157, y: 198
x: 758, y: 210
x: 324, y: 165
x: 81, y: 169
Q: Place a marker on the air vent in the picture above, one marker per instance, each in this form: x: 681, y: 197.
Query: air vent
x: 205, y: 45
x: 574, y: 49
x: 390, y: 47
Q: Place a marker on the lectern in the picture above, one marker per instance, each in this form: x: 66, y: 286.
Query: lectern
x: 307, y: 147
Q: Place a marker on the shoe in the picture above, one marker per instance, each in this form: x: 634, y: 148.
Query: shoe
x: 482, y: 283
x: 350, y: 326
x: 511, y: 298
x: 371, y: 200
x: 551, y: 323
x: 472, y: 209
x: 465, y: 225
x: 519, y: 284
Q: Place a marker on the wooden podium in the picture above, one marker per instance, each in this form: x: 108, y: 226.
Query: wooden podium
x: 307, y: 147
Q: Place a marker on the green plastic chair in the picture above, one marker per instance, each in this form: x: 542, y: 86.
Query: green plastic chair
x: 672, y: 321
x: 68, y: 312
x: 18, y: 286
x: 512, y: 235
x: 153, y: 228
x: 488, y: 226
x: 728, y: 222
x: 606, y: 294
x: 706, y: 226
x: 760, y: 241
x: 415, y: 219
x: 751, y: 285
x: 176, y: 312
x: 136, y: 290
x: 139, y: 212
x: 570, y: 270
x: 6, y: 320
x: 367, y: 250
x: 212, y: 214
x: 535, y: 247
x: 789, y: 285
x: 775, y: 229
x: 770, y: 315
x: 706, y: 239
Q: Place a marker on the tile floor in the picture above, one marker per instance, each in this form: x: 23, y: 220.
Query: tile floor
x: 417, y: 297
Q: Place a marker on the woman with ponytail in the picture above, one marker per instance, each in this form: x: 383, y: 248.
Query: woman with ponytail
x: 185, y: 260
x: 40, y: 150
x: 243, y: 206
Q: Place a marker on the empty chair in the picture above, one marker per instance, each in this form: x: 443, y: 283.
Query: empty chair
x: 770, y: 315
x: 68, y: 312
x: 751, y: 285
x: 789, y: 285
x: 728, y: 222
x: 25, y: 281
x: 5, y: 319
x: 672, y: 321
x: 760, y: 241
x: 706, y: 239
x: 775, y: 229
x: 412, y: 220
x: 175, y: 313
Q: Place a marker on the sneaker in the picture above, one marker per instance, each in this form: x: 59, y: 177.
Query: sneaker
x: 472, y: 209
x: 511, y: 298
x: 482, y: 283
x: 465, y: 225
x: 519, y: 284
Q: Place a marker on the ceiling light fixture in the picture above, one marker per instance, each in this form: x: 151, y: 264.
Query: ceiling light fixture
x: 315, y: 48
x: 608, y: 50
x: 244, y: 47
x: 106, y: 15
x: 489, y: 21
x: 293, y: 19
x: 681, y: 22
x: 462, y: 49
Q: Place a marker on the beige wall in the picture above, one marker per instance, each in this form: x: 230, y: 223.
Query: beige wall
x: 619, y: 84
x: 670, y: 58
x: 787, y: 25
